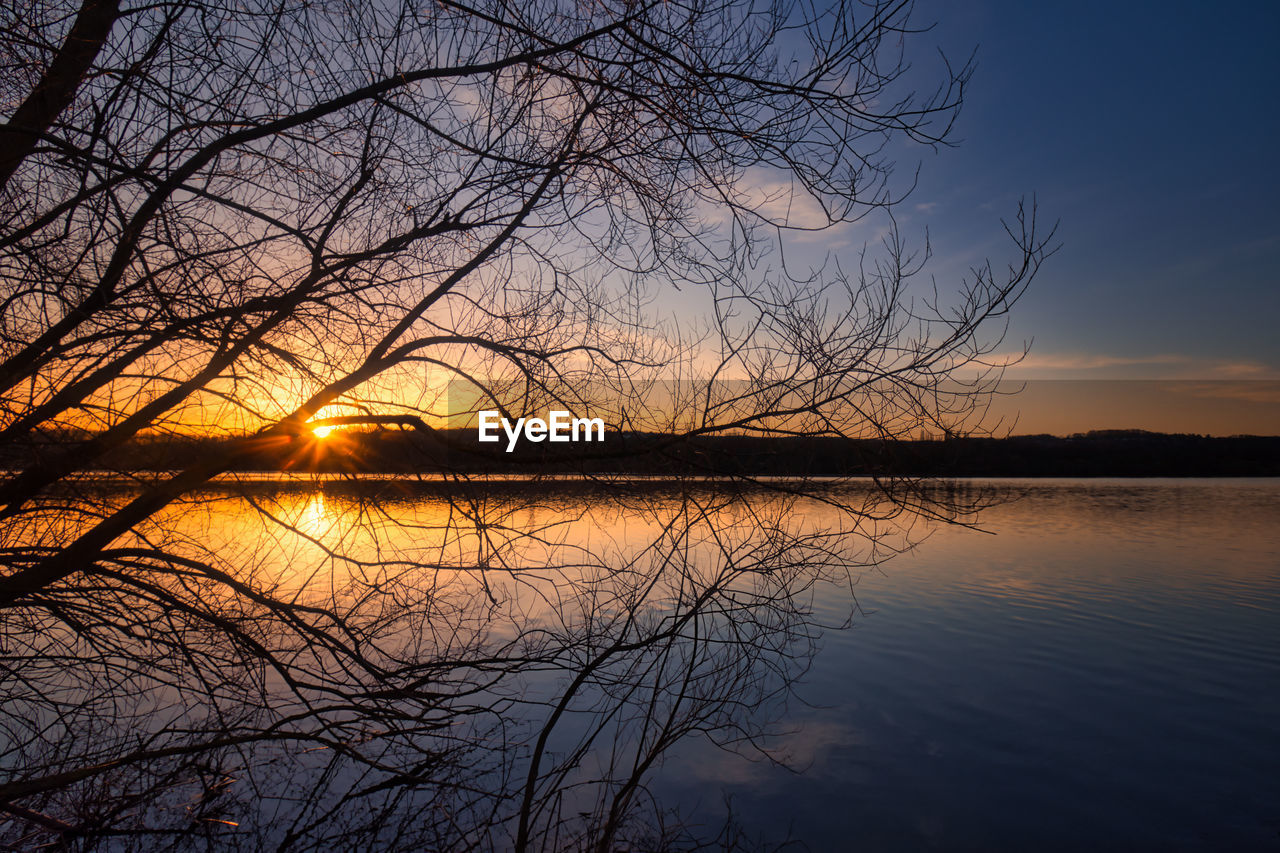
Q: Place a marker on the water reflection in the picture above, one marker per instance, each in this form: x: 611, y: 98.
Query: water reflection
x: 523, y: 666
x: 1105, y: 671
x: 447, y: 666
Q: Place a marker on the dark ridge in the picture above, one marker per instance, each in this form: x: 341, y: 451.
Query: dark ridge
x: 1110, y: 453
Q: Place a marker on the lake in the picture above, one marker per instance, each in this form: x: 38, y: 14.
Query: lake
x: 1103, y: 672
x: 1096, y: 664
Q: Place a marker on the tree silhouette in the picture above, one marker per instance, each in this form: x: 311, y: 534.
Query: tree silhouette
x: 249, y: 219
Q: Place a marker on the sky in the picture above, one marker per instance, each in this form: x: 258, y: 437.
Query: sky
x: 1151, y: 133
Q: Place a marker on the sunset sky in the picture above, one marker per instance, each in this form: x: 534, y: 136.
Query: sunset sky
x: 1149, y: 130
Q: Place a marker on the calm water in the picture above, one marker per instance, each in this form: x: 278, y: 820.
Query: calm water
x: 1098, y: 668
x: 1103, y: 672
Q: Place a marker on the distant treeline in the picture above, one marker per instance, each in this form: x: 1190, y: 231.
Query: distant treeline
x: 1120, y: 453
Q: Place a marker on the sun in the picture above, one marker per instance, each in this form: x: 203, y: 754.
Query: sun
x: 321, y: 431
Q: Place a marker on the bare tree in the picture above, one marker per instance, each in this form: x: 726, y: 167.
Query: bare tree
x: 248, y: 220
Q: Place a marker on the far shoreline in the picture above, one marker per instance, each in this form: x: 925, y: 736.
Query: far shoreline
x: 448, y: 455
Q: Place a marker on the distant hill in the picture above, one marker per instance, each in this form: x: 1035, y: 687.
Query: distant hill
x: 1118, y: 453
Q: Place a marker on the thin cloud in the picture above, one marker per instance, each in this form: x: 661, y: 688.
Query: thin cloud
x: 1155, y: 366
x: 1082, y: 361
x: 1249, y: 391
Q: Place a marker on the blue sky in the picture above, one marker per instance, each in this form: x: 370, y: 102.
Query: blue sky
x: 1151, y: 131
